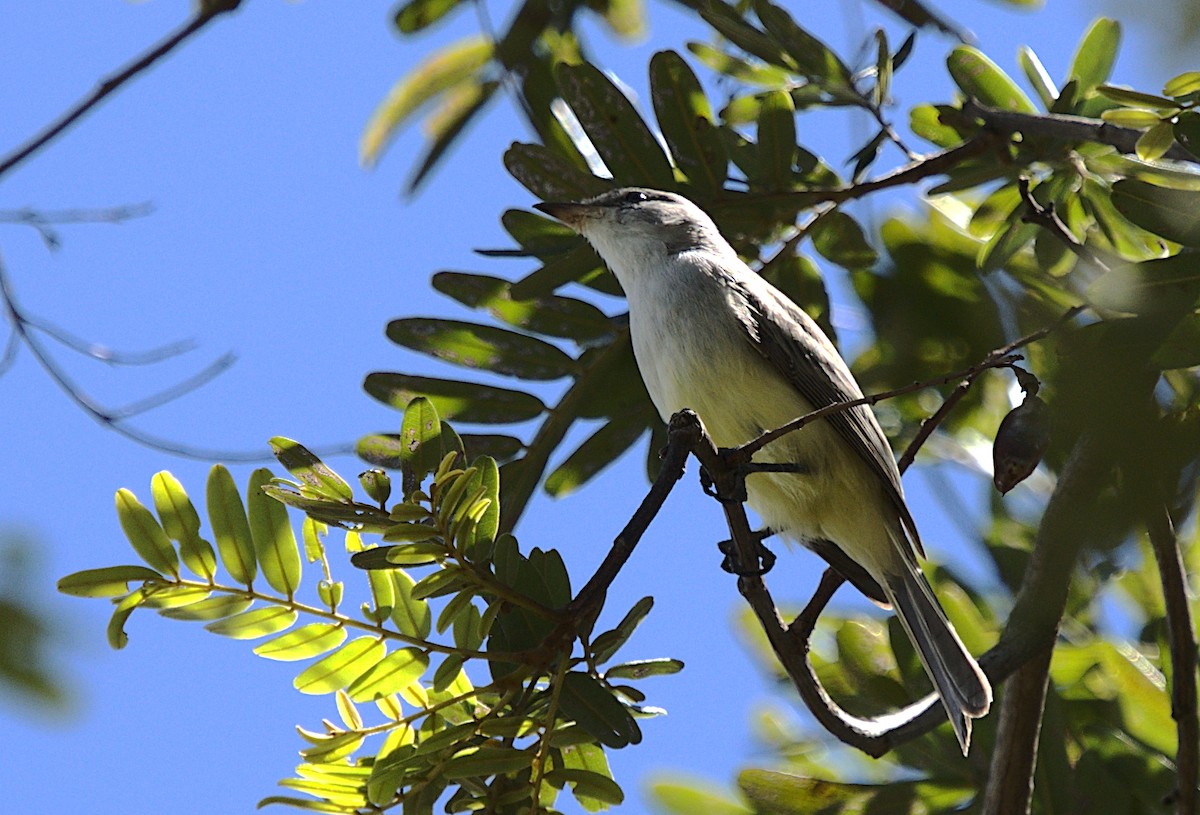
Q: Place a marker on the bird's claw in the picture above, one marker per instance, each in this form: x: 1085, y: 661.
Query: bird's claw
x: 764, y: 557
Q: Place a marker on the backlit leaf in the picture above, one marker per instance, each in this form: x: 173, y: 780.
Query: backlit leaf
x: 274, y: 541
x: 145, y: 535
x: 552, y: 315
x: 464, y: 401
x: 1173, y: 214
x: 686, y: 119
x: 980, y: 78
x: 596, y: 453
x: 391, y: 674
x: 227, y: 515
x: 112, y: 581
x: 595, y: 709
x: 342, y: 667
x: 1094, y: 59
x: 303, y: 643
x: 256, y: 623
x: 417, y: 15
x: 309, y: 470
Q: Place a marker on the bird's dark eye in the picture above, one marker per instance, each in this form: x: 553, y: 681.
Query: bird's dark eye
x: 635, y: 197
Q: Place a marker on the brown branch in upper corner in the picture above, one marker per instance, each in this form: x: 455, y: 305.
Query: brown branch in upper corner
x: 1182, y: 639
x: 208, y: 11
x: 1065, y: 128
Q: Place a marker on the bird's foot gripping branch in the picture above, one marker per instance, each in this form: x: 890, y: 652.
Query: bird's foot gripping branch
x: 479, y: 684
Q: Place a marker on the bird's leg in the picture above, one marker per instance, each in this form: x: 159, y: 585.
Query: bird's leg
x: 733, y: 561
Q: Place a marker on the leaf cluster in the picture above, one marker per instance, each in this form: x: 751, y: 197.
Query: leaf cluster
x: 470, y: 678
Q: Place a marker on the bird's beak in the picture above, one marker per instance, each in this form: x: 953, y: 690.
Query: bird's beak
x: 573, y: 215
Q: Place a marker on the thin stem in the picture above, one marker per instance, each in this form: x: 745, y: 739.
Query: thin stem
x: 209, y: 12
x: 1182, y: 639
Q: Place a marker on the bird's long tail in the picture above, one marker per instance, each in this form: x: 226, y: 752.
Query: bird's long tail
x: 965, y: 691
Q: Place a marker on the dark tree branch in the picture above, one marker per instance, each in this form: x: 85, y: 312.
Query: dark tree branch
x: 1065, y: 128
x: 683, y: 434
x: 208, y: 12
x: 1048, y: 219
x: 1182, y: 638
x: 1009, y: 788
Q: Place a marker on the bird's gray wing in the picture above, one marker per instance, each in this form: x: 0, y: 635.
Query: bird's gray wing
x: 786, y: 337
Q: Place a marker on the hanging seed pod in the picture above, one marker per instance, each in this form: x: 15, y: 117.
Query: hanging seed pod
x: 1020, y: 443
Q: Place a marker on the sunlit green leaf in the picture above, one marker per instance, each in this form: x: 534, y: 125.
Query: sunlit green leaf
x: 304, y: 642
x: 274, y: 541
x: 417, y: 15
x: 255, y: 623
x: 145, y: 535
x: 112, y: 581
x: 487, y: 760
x: 227, y: 515
x: 1095, y: 56
x: 1037, y: 76
x: 342, y: 667
x: 411, y: 616
x: 443, y: 70
x: 393, y: 673
x: 643, y: 668
x: 980, y: 78
x: 309, y: 470
x: 181, y: 522
x: 1183, y: 85
x: 1155, y: 142
x: 212, y: 608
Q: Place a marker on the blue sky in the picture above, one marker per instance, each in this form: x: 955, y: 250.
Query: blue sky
x: 268, y: 240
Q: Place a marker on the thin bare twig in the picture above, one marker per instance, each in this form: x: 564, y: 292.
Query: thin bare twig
x: 1047, y: 218
x: 1182, y: 640
x: 208, y: 12
x: 1065, y: 128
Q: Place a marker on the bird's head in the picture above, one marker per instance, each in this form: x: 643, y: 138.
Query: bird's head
x: 632, y: 225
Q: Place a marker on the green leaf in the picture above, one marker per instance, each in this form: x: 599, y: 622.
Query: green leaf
x: 182, y: 524
x: 642, y: 668
x: 689, y: 796
x: 1173, y: 214
x: 421, y: 442
x: 766, y: 76
x: 608, y: 643
x: 626, y: 145
x: 111, y: 581
x: 597, y: 711
x: 549, y: 176
x: 391, y: 674
x: 1185, y: 84
x: 1005, y: 243
x: 117, y: 638
x: 487, y: 527
x: 488, y: 760
x: 1181, y: 348
x: 625, y: 17
x: 925, y: 121
x: 342, y: 667
x: 307, y: 804
x: 980, y: 78
x: 601, y: 449
x: 417, y: 15
x: 551, y: 315
x: 812, y: 57
x: 1037, y: 76
x: 574, y: 266
x: 1128, y: 96
x: 253, y: 624
x: 1094, y: 59
x: 145, y: 535
x: 227, y: 515
x: 839, y: 239
x: 217, y: 607
x: 1187, y: 131
x: 274, y: 541
x: 463, y: 401
x: 305, y: 642
x: 776, y: 142
x: 482, y: 347
x: 1155, y: 142
x: 1133, y: 117
x: 588, y: 784
x: 452, y: 65
x: 686, y: 119
x: 411, y: 616
x: 312, y: 473
x: 730, y: 25
x: 1152, y: 286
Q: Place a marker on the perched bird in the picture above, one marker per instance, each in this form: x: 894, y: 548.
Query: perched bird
x: 712, y: 335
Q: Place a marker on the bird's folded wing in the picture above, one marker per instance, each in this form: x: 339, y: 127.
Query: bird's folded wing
x: 788, y: 338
